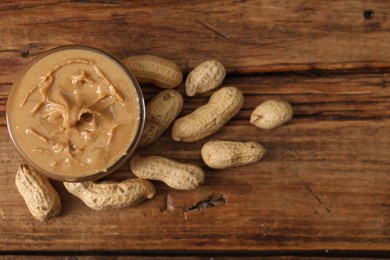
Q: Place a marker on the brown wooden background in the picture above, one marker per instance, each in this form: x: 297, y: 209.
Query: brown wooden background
x: 323, y: 189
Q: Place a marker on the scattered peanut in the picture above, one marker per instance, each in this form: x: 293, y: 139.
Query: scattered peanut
x: 160, y: 113
x: 111, y: 195
x: 152, y: 69
x: 225, y: 154
x: 208, y: 119
x: 271, y: 114
x: 205, y: 77
x: 176, y: 175
x: 41, y: 198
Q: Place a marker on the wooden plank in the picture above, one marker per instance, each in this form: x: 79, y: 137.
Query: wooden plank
x: 247, y: 36
x: 100, y: 257
x: 323, y: 185
x: 317, y: 96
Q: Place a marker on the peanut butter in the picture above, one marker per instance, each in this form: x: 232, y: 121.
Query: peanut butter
x: 74, y: 112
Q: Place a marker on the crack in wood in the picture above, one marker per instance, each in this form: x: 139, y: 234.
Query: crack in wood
x: 211, y: 201
x: 317, y: 198
x: 312, y: 193
x: 368, y: 14
x: 25, y: 53
x: 308, y: 188
x: 208, y: 27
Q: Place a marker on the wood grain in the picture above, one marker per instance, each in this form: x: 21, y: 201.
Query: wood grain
x: 247, y: 36
x: 102, y: 257
x: 321, y: 190
x: 323, y: 184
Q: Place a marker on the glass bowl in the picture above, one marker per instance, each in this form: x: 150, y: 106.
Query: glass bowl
x: 17, y: 120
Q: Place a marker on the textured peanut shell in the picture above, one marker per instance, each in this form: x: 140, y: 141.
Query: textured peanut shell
x: 205, y: 77
x: 176, y: 175
x: 41, y: 198
x: 160, y: 113
x: 208, y: 119
x: 271, y: 114
x: 226, y: 154
x: 111, y: 195
x: 153, y: 69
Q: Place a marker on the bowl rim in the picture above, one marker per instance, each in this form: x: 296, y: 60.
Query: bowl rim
x: 132, y: 146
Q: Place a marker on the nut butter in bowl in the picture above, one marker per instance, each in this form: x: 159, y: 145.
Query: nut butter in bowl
x: 75, y: 113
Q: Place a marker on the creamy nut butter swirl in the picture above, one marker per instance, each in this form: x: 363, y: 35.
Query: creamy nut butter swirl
x: 74, y: 112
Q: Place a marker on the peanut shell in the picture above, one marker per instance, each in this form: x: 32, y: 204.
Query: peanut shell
x: 176, y: 175
x: 160, y: 113
x: 226, y: 154
x: 41, y: 198
x: 161, y: 72
x: 205, y: 77
x: 271, y: 114
x: 111, y: 195
x: 208, y: 119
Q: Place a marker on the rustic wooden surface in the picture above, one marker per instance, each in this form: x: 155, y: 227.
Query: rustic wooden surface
x: 322, y: 188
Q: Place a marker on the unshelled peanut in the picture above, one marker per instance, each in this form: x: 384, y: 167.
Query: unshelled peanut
x: 205, y: 77
x: 225, y: 154
x: 271, y: 114
x: 208, y: 119
x: 39, y: 195
x: 153, y: 69
x: 176, y: 175
x: 111, y: 195
x: 160, y: 113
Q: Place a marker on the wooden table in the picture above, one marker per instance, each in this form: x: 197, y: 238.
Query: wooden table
x: 323, y: 188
